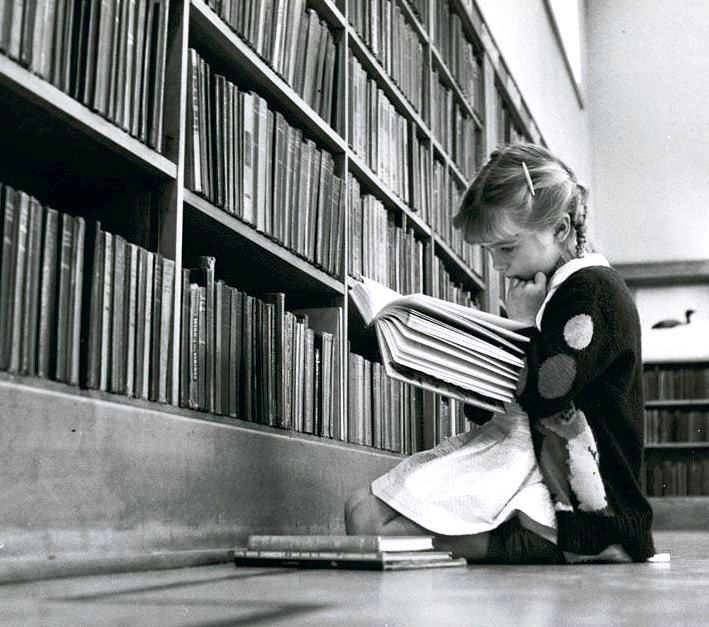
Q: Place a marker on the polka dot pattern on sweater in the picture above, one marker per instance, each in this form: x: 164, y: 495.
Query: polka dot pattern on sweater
x: 556, y: 376
x: 578, y: 331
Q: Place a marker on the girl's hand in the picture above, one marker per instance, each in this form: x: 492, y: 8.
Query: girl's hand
x: 524, y: 298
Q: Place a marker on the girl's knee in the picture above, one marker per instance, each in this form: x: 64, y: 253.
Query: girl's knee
x: 365, y: 514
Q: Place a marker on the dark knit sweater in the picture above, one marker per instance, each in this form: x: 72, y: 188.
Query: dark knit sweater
x: 583, y: 393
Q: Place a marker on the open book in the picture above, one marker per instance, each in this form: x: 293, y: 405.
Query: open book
x: 454, y: 350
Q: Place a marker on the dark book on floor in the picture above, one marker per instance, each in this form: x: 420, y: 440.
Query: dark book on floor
x: 377, y: 560
x: 441, y: 346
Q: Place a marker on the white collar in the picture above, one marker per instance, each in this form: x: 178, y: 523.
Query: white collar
x: 563, y: 273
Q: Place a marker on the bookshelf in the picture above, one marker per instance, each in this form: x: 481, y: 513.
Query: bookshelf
x: 676, y: 429
x: 142, y: 467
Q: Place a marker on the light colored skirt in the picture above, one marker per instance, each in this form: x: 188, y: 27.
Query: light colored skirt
x: 474, y: 481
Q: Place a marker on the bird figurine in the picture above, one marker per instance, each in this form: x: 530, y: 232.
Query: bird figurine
x: 669, y: 323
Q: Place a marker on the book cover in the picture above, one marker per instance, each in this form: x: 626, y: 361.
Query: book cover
x: 165, y: 344
x: 247, y: 401
x: 17, y: 320
x: 344, y: 543
x: 203, y: 382
x: 154, y: 369
x: 76, y: 302
x: 118, y: 348
x: 130, y: 315
x: 192, y: 363
x: 278, y: 300
x: 48, y: 296
x: 92, y: 313
x: 28, y: 362
x: 235, y: 345
x: 106, y: 312
x: 155, y: 140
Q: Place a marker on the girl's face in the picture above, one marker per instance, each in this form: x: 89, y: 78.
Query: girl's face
x: 520, y: 253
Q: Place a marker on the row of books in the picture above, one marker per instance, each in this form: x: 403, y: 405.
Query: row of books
x: 378, y: 133
x: 453, y: 128
x: 447, y: 196
x: 458, y: 53
x: 108, y: 55
x: 380, y: 248
x: 665, y: 383
x: 41, y: 276
x: 446, y: 288
x: 130, y: 321
x: 295, y: 42
x: 678, y: 425
x: 246, y: 159
x: 82, y: 306
x: 383, y: 26
x: 678, y: 478
x: 382, y: 412
x: 250, y: 358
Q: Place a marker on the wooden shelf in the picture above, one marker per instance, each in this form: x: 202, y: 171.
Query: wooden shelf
x: 288, y: 271
x: 414, y: 20
x: 33, y: 93
x: 675, y: 445
x: 328, y: 10
x: 664, y: 273
x: 677, y: 403
x: 212, y: 34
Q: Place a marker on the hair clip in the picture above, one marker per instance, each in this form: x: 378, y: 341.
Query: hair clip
x: 528, y: 177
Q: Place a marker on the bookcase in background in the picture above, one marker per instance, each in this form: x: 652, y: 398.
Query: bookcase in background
x: 184, y: 207
x: 677, y: 429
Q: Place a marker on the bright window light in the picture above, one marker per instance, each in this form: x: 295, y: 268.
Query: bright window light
x: 566, y: 14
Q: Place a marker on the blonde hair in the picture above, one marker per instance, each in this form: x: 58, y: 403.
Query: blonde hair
x: 536, y: 198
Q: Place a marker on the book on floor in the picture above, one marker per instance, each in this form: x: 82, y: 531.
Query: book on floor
x: 344, y: 543
x: 376, y: 560
x: 457, y: 351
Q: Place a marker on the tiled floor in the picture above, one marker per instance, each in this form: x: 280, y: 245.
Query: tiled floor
x: 642, y: 595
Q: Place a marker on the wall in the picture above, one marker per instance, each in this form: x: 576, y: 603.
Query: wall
x: 648, y: 90
x: 524, y: 34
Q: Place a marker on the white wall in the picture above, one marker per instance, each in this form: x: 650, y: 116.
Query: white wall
x: 649, y: 106
x: 524, y: 34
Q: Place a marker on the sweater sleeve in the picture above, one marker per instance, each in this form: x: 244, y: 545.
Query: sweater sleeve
x: 585, y: 328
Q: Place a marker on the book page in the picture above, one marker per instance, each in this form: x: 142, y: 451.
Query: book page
x: 418, y: 361
x: 424, y: 349
x: 371, y: 298
x: 432, y: 385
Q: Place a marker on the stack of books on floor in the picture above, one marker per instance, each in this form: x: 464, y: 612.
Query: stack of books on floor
x: 334, y: 551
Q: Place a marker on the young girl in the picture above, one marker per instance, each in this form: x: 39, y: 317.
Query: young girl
x: 556, y: 481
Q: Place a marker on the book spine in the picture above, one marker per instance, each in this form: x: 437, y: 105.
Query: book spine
x: 48, y: 296
x: 76, y: 302
x: 18, y: 319
x: 166, y: 318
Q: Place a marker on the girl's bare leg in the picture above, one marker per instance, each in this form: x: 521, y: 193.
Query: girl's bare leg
x: 365, y: 514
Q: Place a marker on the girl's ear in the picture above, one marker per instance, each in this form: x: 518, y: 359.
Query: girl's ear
x: 563, y: 228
